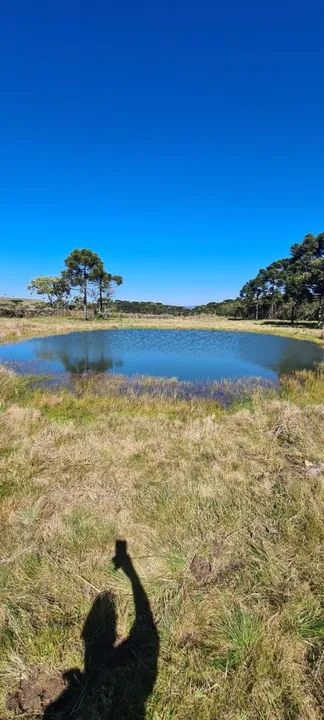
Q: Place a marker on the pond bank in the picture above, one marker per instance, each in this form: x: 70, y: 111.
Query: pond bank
x: 12, y: 329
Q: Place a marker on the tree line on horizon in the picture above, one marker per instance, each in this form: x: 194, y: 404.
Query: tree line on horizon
x: 286, y: 289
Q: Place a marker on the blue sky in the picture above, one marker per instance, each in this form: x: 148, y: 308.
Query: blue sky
x: 182, y: 141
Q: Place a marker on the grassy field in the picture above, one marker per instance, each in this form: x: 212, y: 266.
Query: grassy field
x: 223, y: 514
x: 12, y: 329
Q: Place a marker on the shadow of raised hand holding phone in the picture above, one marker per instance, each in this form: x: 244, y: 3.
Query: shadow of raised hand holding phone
x: 118, y: 676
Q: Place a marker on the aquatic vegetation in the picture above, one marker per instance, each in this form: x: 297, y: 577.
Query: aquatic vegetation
x: 223, y: 393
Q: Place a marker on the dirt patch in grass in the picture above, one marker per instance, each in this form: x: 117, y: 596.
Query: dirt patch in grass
x: 35, y: 693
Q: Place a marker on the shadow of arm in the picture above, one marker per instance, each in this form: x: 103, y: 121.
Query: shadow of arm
x: 143, y: 639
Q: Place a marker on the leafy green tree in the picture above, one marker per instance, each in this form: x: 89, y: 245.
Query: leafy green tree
x: 53, y: 288
x: 83, y: 267
x: 317, y: 286
x: 61, y: 287
x: 252, y: 291
x: 296, y: 290
x: 309, y: 258
x: 43, y: 285
x: 274, y: 282
x: 106, y: 282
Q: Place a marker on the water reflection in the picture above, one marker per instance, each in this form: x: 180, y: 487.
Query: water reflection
x: 190, y: 355
x: 81, y: 356
x: 278, y: 354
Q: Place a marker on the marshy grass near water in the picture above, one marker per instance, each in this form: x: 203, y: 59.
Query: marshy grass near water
x: 224, y: 392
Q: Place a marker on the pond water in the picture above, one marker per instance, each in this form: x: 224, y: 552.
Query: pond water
x: 191, y: 355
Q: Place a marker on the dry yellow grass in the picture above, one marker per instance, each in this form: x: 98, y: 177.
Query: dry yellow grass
x: 242, y: 491
x: 18, y: 328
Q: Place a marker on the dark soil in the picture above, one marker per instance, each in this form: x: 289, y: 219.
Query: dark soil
x: 34, y: 693
x: 200, y: 568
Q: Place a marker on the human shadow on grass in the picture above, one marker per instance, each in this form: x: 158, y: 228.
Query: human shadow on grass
x: 119, y: 675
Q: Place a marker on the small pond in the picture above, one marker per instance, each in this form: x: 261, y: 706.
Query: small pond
x: 190, y: 355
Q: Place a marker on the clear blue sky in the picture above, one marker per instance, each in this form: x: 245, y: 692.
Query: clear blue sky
x: 183, y: 141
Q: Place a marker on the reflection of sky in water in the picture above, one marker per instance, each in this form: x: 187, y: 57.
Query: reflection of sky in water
x: 185, y: 354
